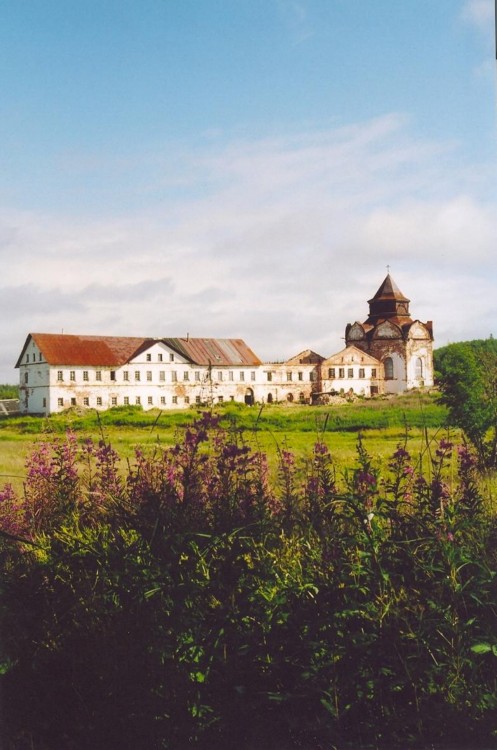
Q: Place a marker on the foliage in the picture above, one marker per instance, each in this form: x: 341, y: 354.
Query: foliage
x: 189, y: 602
x: 467, y: 375
x: 8, y: 391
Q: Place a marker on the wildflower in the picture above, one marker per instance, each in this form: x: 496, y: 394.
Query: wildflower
x: 444, y: 448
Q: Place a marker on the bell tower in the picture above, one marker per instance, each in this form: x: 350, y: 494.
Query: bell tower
x: 388, y: 303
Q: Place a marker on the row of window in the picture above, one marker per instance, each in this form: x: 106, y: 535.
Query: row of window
x: 198, y: 376
x: 160, y: 357
x: 33, y: 357
x: 289, y: 376
x: 87, y: 401
x: 332, y: 372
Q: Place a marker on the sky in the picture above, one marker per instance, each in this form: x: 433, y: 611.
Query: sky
x: 245, y: 168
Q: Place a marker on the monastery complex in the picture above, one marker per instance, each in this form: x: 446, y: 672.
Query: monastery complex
x: 388, y: 353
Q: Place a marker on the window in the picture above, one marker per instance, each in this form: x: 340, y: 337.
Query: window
x: 312, y: 376
x: 86, y: 401
x: 126, y: 401
x: 232, y: 398
x: 289, y: 376
x: 388, y: 365
x: 39, y: 357
x: 230, y: 375
x: 220, y: 399
x: 26, y: 377
x: 350, y: 372
x: 73, y: 402
x: 149, y: 357
x: 269, y: 376
x: 331, y: 372
x: 187, y: 399
x: 362, y: 373
x: 186, y: 375
x: 149, y: 375
x: 197, y: 400
x: 159, y: 357
x: 60, y: 402
x: 125, y: 375
x: 162, y: 375
x: 44, y: 402
x: 174, y: 376
x: 112, y: 374
x: 242, y: 375
x: 150, y: 400
x: 163, y: 400
x: 373, y: 372
x: 341, y: 372
x: 113, y: 401
x: 175, y: 399
x: 220, y: 375
x: 138, y: 401
x: 98, y: 375
x: 137, y: 375
x: 252, y: 375
x: 60, y: 375
x: 85, y: 375
x: 301, y: 375
x: 72, y: 375
x: 419, y: 368
x: 99, y: 400
x: 171, y: 357
x: 197, y: 375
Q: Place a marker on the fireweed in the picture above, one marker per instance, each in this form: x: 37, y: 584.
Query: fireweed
x: 166, y: 602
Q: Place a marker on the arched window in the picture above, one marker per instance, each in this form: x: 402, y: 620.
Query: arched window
x: 388, y: 365
x: 419, y: 368
x: 270, y: 398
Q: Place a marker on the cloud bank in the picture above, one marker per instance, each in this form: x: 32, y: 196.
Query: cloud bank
x: 278, y: 240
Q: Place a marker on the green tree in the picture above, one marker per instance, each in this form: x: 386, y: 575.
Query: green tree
x: 467, y: 375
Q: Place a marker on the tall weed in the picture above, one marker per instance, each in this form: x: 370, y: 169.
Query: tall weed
x: 184, y: 599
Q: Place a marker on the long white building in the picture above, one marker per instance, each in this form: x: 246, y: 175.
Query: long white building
x: 60, y: 371
x: 388, y: 353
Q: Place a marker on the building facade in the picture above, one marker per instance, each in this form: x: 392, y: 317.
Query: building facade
x: 389, y: 352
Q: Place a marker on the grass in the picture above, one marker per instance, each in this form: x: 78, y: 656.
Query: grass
x: 383, y: 423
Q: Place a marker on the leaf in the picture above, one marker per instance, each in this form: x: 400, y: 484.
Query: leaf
x: 481, y: 648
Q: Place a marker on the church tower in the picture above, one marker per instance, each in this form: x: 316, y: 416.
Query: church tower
x: 403, y: 345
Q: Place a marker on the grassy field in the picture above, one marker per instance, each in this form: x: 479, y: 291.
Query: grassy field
x: 383, y: 423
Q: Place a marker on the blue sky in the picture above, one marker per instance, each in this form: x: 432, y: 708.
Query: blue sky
x: 245, y: 168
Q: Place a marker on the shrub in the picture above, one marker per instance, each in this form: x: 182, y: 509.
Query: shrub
x: 184, y: 601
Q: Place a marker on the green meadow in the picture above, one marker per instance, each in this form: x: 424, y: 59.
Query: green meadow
x: 383, y: 423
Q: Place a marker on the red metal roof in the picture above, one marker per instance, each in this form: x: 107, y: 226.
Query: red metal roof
x: 214, y: 351
x: 69, y: 349
x: 114, y: 351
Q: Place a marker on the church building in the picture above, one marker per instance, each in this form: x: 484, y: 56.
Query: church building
x: 404, y: 346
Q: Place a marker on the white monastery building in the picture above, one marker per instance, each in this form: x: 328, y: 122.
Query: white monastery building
x: 388, y: 353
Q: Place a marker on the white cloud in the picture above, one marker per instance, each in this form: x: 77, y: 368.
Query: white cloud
x: 282, y: 245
